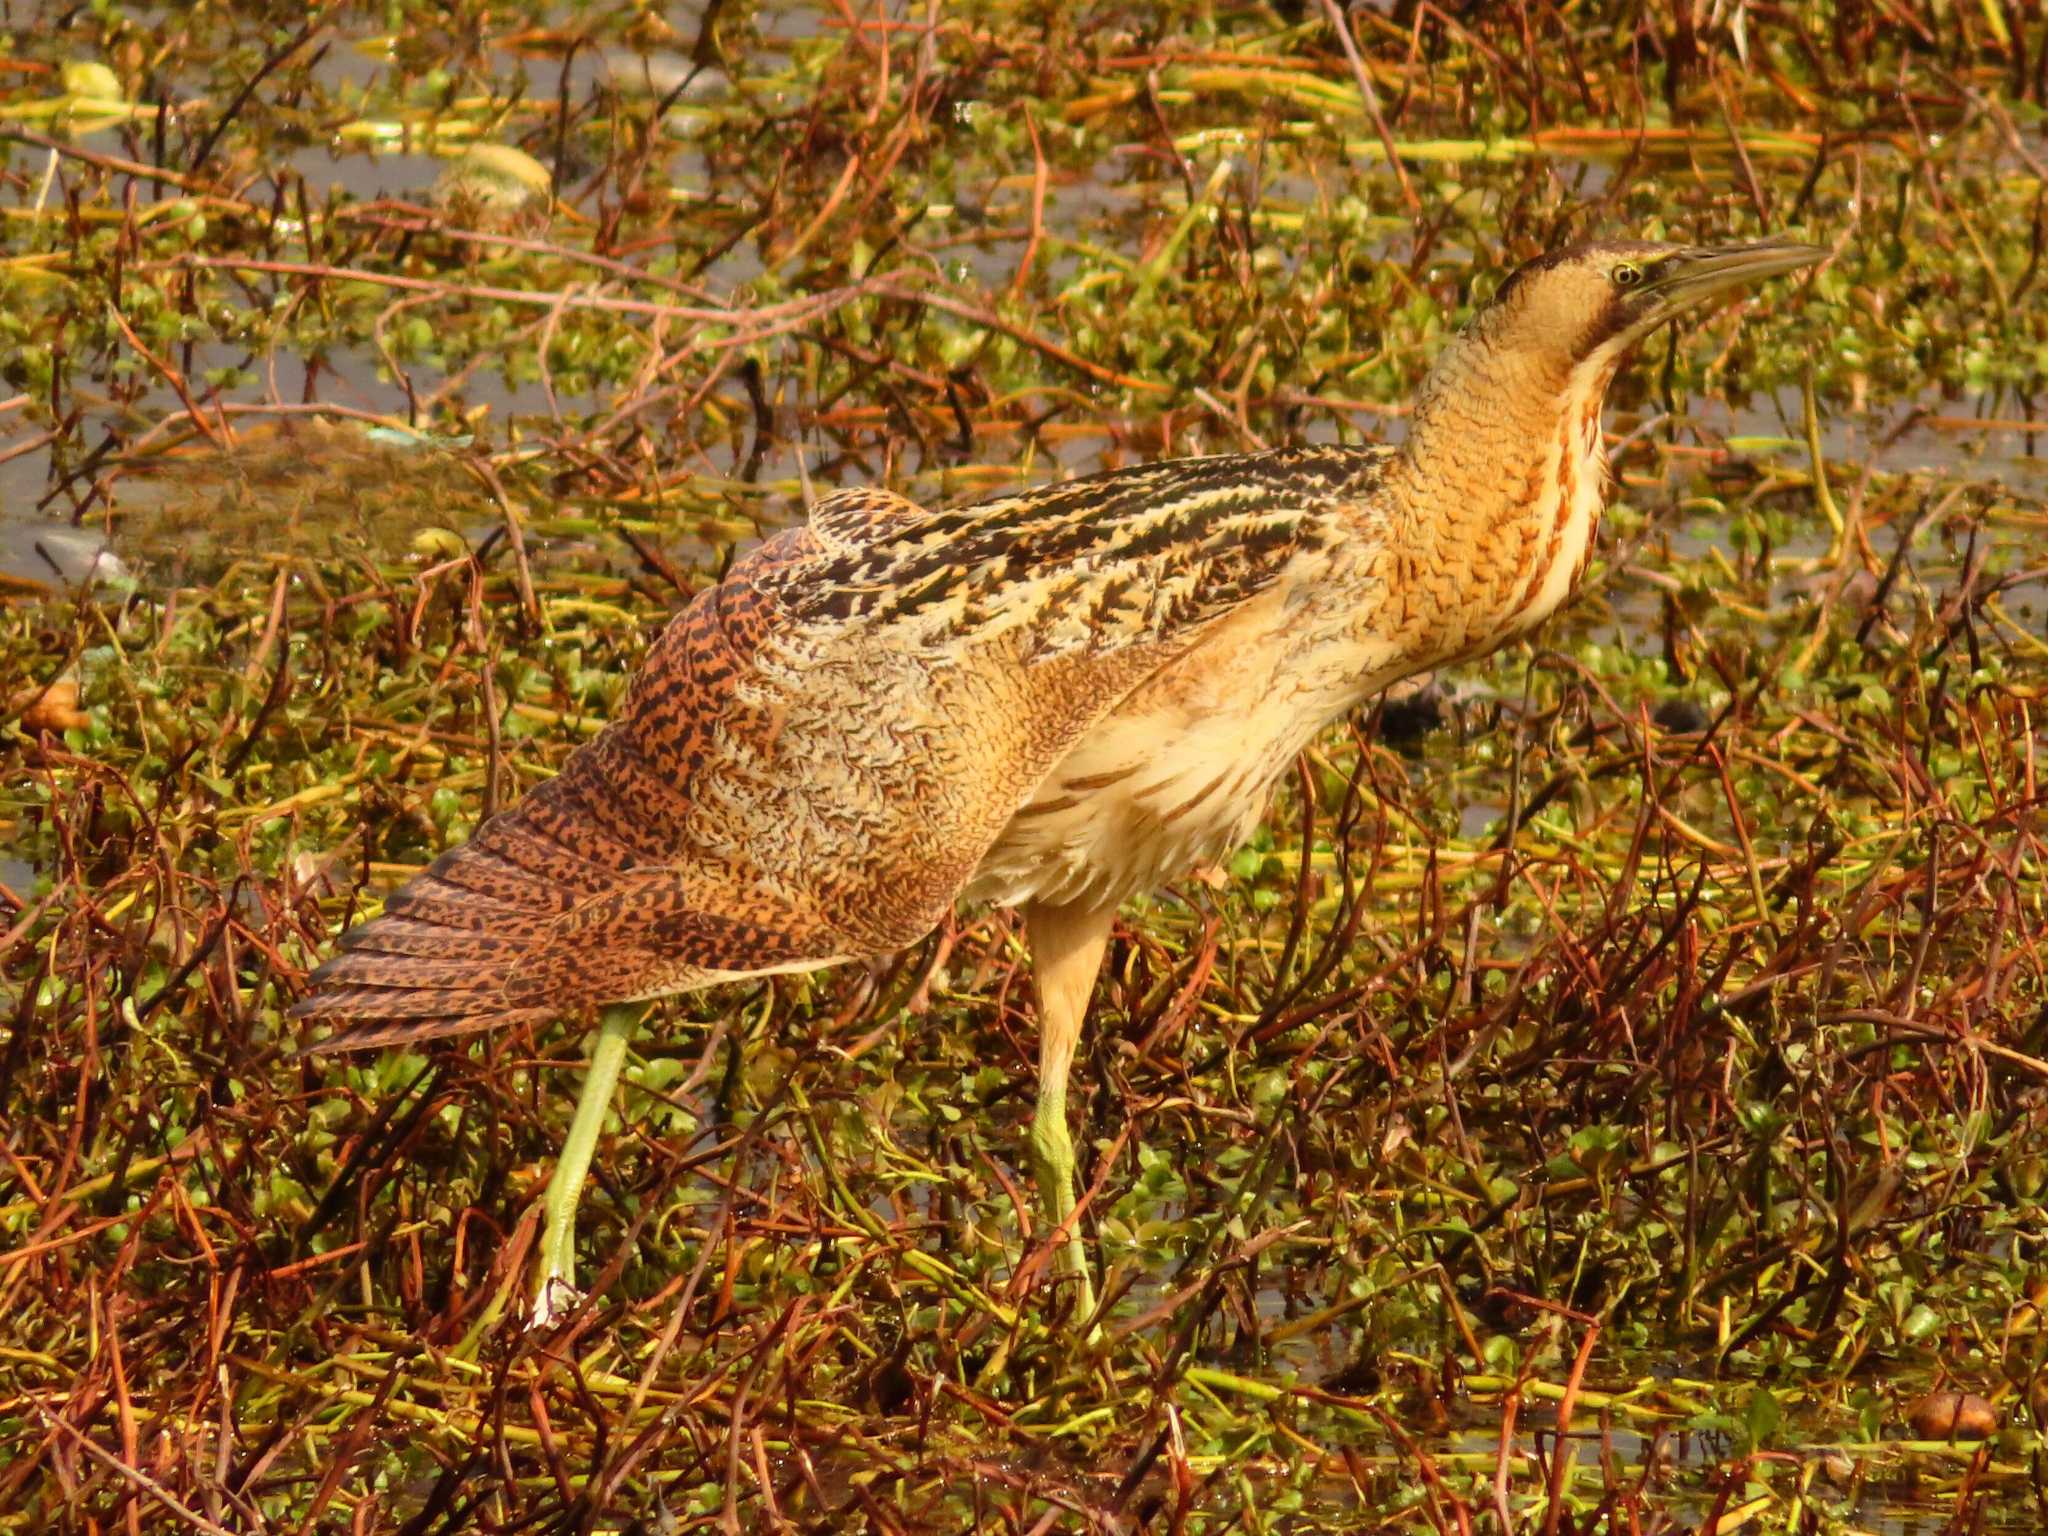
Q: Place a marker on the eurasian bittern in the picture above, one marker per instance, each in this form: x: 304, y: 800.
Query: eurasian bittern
x: 1053, y: 700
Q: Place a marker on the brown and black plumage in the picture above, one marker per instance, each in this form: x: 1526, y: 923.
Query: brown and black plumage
x: 816, y: 757
x: 1055, y: 699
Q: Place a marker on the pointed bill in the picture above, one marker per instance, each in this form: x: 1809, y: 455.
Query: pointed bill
x: 1692, y: 277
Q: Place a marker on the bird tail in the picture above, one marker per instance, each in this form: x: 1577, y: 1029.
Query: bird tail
x: 564, y: 903
x: 484, y: 936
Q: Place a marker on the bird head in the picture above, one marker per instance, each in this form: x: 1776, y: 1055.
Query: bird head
x: 1592, y: 303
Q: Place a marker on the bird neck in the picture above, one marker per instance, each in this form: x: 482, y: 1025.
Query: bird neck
x: 1498, y: 490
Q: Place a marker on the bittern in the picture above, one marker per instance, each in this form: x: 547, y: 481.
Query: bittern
x: 1053, y: 700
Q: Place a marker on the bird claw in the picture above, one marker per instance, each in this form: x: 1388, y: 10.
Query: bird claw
x: 553, y: 1299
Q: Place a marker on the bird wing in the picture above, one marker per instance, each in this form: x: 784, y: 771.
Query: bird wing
x: 817, y: 752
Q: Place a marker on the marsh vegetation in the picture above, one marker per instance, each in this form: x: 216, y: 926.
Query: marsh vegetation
x: 1610, y: 1094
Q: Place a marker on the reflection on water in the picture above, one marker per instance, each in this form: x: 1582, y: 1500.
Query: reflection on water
x: 1921, y: 436
x: 1096, y: 216
x: 292, y: 484
x: 169, y: 503
x: 54, y: 555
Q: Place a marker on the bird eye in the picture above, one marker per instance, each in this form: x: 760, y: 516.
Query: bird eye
x: 1626, y: 275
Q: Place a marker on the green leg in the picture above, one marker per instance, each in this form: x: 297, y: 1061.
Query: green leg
x: 1052, y: 1151
x: 1066, y: 952
x: 554, y: 1276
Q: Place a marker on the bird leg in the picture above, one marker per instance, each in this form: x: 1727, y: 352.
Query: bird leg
x: 1066, y: 952
x: 554, y: 1275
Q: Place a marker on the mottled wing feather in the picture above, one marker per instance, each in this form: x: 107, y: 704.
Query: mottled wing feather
x: 818, y: 751
x: 581, y: 893
x: 1129, y: 556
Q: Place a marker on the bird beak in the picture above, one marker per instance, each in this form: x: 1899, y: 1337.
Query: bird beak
x: 1690, y: 278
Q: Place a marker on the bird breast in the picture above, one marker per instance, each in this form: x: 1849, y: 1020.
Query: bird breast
x: 1180, y: 772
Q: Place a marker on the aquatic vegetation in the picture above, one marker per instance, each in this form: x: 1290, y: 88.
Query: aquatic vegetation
x: 1637, y: 1044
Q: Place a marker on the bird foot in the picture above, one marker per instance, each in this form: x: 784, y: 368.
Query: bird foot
x: 554, y: 1298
